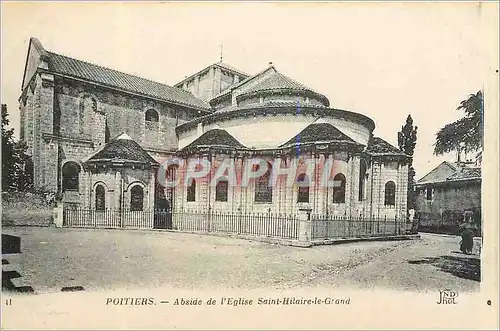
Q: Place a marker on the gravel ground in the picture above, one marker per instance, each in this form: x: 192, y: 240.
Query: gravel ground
x: 110, y: 259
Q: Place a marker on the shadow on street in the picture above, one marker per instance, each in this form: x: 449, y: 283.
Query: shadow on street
x: 464, y: 267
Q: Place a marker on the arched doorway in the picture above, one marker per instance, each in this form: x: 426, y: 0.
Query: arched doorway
x: 164, y: 200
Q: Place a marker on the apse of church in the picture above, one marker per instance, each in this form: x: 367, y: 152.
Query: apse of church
x: 98, y: 137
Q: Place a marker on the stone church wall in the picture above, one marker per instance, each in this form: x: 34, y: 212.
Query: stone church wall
x: 123, y: 113
x: 56, y: 130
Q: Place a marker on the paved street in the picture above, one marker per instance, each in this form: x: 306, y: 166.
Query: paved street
x: 110, y: 259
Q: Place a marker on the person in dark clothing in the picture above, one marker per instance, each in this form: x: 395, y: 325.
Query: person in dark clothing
x: 467, y: 241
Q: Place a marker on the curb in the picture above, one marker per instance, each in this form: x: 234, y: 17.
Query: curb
x: 445, y: 235
x: 297, y: 243
x: 354, y: 240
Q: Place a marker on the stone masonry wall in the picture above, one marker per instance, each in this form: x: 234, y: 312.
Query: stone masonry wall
x: 52, y: 129
x: 448, y: 202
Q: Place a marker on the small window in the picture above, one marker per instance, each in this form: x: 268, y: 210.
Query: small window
x: 136, y: 198
x: 339, y: 188
x: 152, y: 119
x: 152, y: 115
x: 71, y: 174
x: 100, y: 198
x: 390, y: 194
x: 303, y: 194
x: 221, y: 190
x: 191, y: 191
x: 428, y: 193
x: 263, y: 191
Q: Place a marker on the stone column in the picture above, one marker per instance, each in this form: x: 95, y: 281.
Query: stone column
x: 305, y: 225
x: 58, y: 215
x: 119, y: 196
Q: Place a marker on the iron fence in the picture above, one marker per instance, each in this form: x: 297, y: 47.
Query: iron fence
x: 112, y: 219
x: 343, y: 226
x: 252, y: 224
x: 270, y: 225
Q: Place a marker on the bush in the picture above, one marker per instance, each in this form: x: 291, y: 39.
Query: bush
x: 26, y: 209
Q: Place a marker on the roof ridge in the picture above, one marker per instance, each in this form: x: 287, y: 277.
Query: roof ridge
x: 115, y: 70
x: 219, y: 64
x: 230, y: 67
x: 231, y: 88
x: 91, y: 72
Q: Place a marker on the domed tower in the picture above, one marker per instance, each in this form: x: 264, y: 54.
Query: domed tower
x: 273, y: 117
x: 278, y: 88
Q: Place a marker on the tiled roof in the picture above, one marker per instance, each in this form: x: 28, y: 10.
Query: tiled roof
x: 378, y: 146
x: 465, y: 173
x: 449, y: 172
x: 122, y: 149
x: 270, y: 103
x: 215, y: 138
x: 94, y: 73
x: 279, y: 81
x: 319, y: 132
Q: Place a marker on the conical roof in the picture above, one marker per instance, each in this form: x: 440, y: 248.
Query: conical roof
x: 378, y: 146
x: 279, y: 82
x: 122, y: 149
x: 319, y: 132
x: 215, y: 138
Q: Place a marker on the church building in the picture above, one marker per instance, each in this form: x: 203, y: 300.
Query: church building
x: 98, y: 138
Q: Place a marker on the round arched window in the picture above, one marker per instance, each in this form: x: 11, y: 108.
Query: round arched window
x: 137, y: 198
x: 71, y: 174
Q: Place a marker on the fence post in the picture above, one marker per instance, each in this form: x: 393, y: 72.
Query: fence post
x: 58, y: 214
x: 209, y: 219
x: 396, y: 231
x: 305, y: 225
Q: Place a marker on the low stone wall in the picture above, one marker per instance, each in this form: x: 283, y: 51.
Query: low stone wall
x: 26, y: 209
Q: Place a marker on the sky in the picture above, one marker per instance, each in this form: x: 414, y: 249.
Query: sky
x: 383, y: 60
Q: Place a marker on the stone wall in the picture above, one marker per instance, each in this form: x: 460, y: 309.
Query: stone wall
x: 211, y: 82
x: 118, y: 183
x: 121, y: 113
x: 284, y: 198
x: 56, y: 127
x: 254, y: 131
x: 448, y: 202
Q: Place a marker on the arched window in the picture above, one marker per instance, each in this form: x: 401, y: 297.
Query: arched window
x: 263, y: 191
x: 136, y: 198
x: 191, y: 191
x: 221, y: 190
x: 100, y: 197
x: 151, y: 119
x: 303, y: 194
x: 71, y: 174
x: 339, y: 188
x: 362, y: 179
x: 390, y: 194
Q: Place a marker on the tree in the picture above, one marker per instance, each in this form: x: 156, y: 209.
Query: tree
x: 407, y: 140
x: 465, y: 134
x: 407, y: 137
x: 16, y: 165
